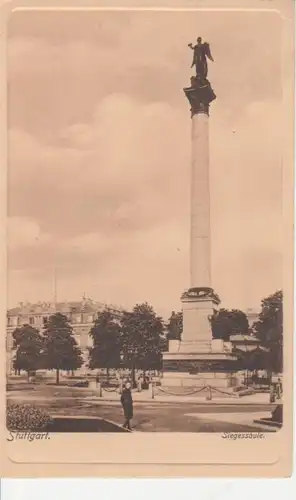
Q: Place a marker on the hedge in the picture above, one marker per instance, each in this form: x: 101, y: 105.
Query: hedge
x: 26, y: 418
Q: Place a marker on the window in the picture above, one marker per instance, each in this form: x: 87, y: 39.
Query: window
x: 13, y: 321
x: 90, y: 318
x: 31, y: 320
x: 45, y: 320
x: 8, y: 342
x: 83, y: 340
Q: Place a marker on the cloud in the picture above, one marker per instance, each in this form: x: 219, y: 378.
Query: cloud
x: 99, y: 156
x: 25, y: 232
x: 121, y: 196
x: 112, y: 171
x: 88, y: 244
x: 60, y: 66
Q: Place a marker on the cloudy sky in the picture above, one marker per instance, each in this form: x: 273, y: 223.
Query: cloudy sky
x: 99, y: 155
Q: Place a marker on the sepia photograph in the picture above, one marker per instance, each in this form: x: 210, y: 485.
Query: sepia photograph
x: 145, y: 215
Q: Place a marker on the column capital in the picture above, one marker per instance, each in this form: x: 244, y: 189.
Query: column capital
x: 202, y: 294
x: 199, y: 95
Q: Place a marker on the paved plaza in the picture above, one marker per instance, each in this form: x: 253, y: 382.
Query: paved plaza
x: 152, y: 415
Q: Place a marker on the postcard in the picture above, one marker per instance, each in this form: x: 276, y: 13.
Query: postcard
x: 147, y: 320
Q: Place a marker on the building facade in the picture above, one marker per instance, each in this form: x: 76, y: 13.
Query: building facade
x: 80, y: 314
x: 252, y: 315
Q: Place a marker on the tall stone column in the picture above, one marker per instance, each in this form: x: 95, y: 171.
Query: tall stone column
x: 198, y: 359
x: 199, y: 301
x: 200, y: 247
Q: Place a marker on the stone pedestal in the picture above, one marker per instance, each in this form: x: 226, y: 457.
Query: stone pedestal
x: 198, y: 307
x: 193, y: 364
x: 214, y: 379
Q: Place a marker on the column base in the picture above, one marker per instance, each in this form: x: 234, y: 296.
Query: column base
x: 199, y: 369
x: 198, y: 307
x: 212, y: 379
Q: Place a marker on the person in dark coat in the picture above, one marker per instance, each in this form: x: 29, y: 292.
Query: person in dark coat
x: 127, y: 405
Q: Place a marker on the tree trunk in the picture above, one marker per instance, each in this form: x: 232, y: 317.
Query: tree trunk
x: 133, y: 375
x: 28, y: 375
x: 58, y: 376
x: 72, y: 371
x: 247, y: 377
x: 108, y: 375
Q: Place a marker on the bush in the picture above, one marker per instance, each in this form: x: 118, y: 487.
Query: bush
x: 246, y: 392
x: 26, y: 418
x: 239, y: 388
x: 83, y: 383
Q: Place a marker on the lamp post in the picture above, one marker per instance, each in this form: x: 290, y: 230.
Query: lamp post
x: 121, y: 373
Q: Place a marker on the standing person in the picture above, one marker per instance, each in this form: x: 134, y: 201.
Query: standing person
x: 127, y: 405
x: 272, y: 394
x: 279, y: 389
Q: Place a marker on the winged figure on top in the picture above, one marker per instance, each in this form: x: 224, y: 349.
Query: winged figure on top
x: 201, y: 54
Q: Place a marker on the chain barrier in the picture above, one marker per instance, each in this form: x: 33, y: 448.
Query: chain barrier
x: 205, y: 388
x: 114, y: 389
x: 158, y: 390
x: 182, y: 394
x: 223, y: 392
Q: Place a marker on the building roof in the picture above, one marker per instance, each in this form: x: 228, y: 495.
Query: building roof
x: 252, y: 310
x: 250, y: 349
x: 82, y: 306
x: 14, y: 311
x: 244, y: 338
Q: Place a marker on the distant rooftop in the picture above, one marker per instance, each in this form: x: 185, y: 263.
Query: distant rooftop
x: 252, y: 311
x: 84, y: 305
x: 244, y: 338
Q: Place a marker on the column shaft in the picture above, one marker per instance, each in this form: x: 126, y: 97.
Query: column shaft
x: 200, y: 248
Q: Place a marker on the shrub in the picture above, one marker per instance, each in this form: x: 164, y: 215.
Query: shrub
x: 239, y: 388
x: 246, y: 392
x: 26, y: 418
x: 83, y: 383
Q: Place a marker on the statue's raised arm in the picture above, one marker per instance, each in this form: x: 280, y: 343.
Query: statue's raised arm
x: 200, y: 93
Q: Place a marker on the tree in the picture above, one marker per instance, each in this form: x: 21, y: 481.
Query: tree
x: 175, y: 326
x: 141, y: 334
x: 269, y: 329
x: 28, y: 344
x: 105, y: 334
x: 61, y: 351
x: 229, y: 322
x: 252, y: 360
